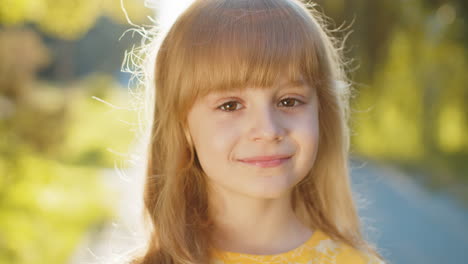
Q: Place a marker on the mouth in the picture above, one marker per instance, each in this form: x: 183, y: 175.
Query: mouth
x: 266, y: 161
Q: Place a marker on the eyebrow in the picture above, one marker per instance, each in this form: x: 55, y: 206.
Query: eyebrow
x: 296, y: 82
x: 293, y: 84
x: 290, y: 84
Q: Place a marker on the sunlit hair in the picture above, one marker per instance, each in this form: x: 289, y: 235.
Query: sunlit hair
x: 222, y: 45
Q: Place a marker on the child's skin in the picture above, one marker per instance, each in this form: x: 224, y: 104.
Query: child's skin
x: 250, y: 201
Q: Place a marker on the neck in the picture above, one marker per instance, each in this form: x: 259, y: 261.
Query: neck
x: 256, y: 225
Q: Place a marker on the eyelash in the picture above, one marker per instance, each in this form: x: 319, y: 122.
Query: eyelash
x: 299, y: 102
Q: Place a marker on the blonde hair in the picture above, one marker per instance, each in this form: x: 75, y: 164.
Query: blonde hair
x: 225, y: 44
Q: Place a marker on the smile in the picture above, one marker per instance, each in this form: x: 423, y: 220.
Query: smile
x: 266, y: 161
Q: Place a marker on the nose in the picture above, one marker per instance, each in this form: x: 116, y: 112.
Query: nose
x: 266, y: 125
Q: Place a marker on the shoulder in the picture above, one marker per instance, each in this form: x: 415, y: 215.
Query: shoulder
x: 348, y: 254
x: 326, y: 250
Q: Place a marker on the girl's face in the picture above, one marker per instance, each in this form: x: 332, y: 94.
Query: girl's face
x: 256, y: 142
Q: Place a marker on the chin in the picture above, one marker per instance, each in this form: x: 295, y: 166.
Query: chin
x: 271, y: 187
x: 267, y: 193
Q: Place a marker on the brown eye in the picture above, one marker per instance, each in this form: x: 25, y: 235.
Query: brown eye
x: 289, y: 102
x: 229, y: 106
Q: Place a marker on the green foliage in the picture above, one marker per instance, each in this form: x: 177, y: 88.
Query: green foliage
x: 50, y: 197
x: 417, y: 104
x: 99, y: 109
x: 45, y: 207
x: 397, y: 95
x: 412, y: 112
x: 409, y: 63
x: 68, y: 19
x: 54, y: 140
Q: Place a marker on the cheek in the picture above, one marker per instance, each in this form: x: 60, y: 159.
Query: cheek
x: 309, y: 130
x: 305, y: 133
x: 305, y: 126
x: 311, y: 135
x: 215, y: 139
x: 223, y: 136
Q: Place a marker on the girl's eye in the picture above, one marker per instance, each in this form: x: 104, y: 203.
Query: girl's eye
x: 290, y: 102
x: 230, y: 106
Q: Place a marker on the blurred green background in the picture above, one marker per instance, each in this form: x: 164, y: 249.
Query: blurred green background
x: 408, y: 61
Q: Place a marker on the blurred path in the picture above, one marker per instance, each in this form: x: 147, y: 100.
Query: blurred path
x: 408, y: 223
x: 413, y: 225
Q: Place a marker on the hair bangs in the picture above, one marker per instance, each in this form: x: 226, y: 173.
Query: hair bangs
x: 236, y: 46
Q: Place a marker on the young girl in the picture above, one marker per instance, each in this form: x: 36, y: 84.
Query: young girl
x: 248, y: 156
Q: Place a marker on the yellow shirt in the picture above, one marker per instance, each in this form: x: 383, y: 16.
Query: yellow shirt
x: 319, y: 249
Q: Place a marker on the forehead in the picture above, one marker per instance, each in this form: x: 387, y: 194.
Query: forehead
x: 281, y: 85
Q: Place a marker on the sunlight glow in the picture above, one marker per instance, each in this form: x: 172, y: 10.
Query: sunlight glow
x: 169, y: 10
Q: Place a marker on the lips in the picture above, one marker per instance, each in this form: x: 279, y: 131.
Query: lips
x: 266, y: 161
